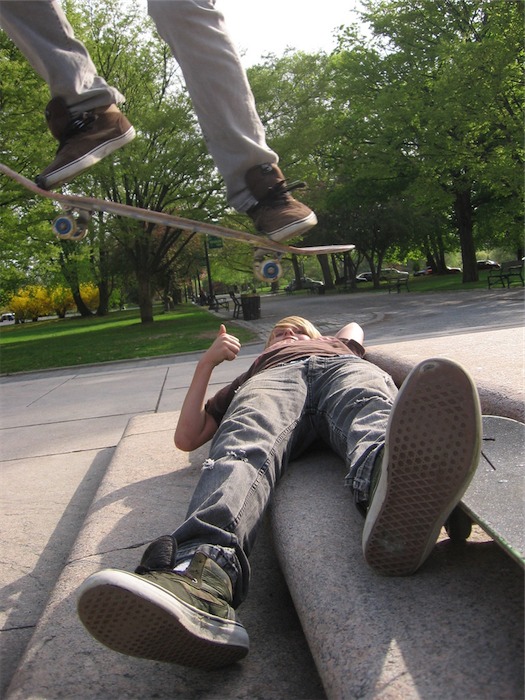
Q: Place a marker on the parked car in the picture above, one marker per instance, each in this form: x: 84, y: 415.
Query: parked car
x: 488, y: 265
x: 7, y: 317
x: 454, y: 270
x: 364, y: 277
x: 424, y: 271
x: 391, y: 272
x: 306, y: 283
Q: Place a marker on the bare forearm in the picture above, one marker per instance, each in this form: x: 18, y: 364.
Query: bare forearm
x: 195, y: 426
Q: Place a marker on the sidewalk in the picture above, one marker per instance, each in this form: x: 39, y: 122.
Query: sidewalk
x: 61, y: 464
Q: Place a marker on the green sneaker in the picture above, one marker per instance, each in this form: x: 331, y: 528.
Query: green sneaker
x: 432, y: 449
x: 183, y: 618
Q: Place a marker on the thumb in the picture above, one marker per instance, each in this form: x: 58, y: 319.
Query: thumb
x: 222, y: 329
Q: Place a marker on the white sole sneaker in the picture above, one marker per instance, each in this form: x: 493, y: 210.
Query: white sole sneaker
x: 432, y: 449
x: 133, y: 615
x: 87, y: 160
x: 294, y: 228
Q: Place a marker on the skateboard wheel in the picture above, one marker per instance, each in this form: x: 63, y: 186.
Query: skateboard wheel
x: 80, y: 233
x: 64, y: 227
x: 268, y: 271
x: 458, y: 525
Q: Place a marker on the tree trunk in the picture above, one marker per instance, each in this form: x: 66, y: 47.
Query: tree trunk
x: 69, y: 271
x: 325, y: 267
x: 103, y: 298
x: 297, y: 270
x: 145, y: 298
x: 81, y: 306
x: 463, y: 211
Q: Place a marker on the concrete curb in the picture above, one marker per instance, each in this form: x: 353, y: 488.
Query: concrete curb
x: 445, y: 633
x: 144, y: 494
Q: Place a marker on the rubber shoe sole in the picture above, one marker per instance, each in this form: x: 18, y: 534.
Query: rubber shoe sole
x: 84, y: 162
x: 431, y: 452
x: 137, y: 617
x: 294, y: 228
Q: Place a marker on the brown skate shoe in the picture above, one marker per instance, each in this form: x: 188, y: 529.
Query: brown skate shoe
x: 277, y: 214
x: 83, y: 140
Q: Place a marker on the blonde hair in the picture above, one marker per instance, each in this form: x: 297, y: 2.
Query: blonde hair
x: 298, y: 323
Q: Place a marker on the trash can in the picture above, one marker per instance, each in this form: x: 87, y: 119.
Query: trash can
x: 251, y: 308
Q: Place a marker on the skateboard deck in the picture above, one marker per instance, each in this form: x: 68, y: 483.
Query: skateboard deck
x: 494, y: 498
x: 85, y: 205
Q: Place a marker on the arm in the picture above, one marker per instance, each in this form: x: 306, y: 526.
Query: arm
x: 352, y: 331
x: 196, y: 426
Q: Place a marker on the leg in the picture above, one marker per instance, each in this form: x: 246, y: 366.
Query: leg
x: 410, y: 456
x: 354, y: 400
x: 42, y: 32
x: 222, y: 98
x: 432, y: 449
x: 82, y: 114
x: 179, y: 604
x: 247, y: 455
x: 223, y: 101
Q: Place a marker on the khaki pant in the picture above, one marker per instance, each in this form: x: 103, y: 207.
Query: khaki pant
x: 196, y: 34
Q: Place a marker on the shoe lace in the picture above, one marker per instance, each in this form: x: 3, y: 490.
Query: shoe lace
x: 278, y: 194
x: 82, y: 122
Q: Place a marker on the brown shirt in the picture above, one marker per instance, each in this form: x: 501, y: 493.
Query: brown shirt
x: 279, y: 354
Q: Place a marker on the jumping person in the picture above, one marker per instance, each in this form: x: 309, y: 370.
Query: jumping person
x: 84, y: 117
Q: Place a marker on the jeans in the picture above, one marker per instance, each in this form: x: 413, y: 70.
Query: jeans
x: 197, y: 36
x: 277, y: 414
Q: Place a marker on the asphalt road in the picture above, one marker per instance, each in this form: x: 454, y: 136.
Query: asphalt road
x: 395, y: 317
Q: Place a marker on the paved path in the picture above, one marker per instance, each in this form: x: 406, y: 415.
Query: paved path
x: 59, y: 429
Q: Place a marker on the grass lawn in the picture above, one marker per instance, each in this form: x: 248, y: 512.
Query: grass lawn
x: 118, y: 336
x: 436, y: 283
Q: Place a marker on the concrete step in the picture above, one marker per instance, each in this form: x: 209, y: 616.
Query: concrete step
x: 452, y: 631
x: 145, y: 493
x: 455, y: 629
x: 494, y: 358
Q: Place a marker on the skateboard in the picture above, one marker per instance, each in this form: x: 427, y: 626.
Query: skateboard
x: 72, y: 224
x: 494, y: 498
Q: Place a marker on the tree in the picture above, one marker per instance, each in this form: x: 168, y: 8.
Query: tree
x: 451, y: 94
x: 166, y: 168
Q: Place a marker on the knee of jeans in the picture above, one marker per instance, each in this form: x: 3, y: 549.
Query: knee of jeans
x: 237, y: 455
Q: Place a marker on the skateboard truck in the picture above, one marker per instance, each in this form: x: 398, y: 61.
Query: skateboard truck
x: 72, y: 225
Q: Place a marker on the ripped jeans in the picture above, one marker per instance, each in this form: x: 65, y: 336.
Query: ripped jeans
x: 277, y: 414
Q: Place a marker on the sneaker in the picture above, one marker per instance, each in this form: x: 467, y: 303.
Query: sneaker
x: 277, y: 214
x: 432, y: 449
x: 83, y: 140
x: 183, y: 618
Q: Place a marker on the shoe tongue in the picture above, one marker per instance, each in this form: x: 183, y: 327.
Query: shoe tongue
x: 195, y: 569
x: 159, y: 556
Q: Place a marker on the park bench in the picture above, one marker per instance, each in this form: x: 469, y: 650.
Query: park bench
x: 219, y: 302
x: 237, y: 306
x: 508, y: 272
x: 396, y: 282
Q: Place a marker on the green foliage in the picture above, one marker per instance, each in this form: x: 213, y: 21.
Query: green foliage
x: 119, y: 336
x: 410, y: 139
x: 432, y: 112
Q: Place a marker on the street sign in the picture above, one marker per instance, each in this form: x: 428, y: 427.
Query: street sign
x: 215, y: 242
